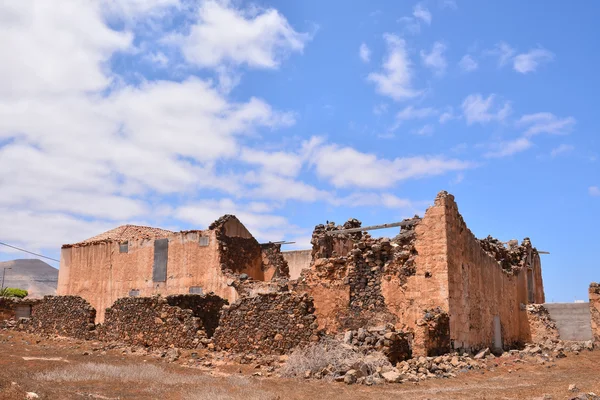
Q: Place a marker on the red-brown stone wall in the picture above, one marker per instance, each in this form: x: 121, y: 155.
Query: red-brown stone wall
x: 594, y: 293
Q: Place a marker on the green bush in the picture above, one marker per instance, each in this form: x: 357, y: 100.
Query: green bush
x: 13, y: 292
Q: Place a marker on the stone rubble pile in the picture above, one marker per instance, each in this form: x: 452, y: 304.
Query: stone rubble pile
x: 268, y: 323
x: 385, y: 339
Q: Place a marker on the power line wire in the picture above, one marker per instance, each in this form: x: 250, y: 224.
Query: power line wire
x: 30, y: 252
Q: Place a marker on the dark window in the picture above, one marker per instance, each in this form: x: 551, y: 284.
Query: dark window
x: 203, y: 241
x: 195, y: 290
x: 124, y: 247
x: 161, y: 254
x: 134, y: 293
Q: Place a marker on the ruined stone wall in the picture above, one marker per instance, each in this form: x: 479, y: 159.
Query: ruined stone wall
x: 541, y: 326
x: 70, y: 316
x: 206, y: 307
x: 594, y: 293
x: 11, y: 306
x: 297, y: 261
x: 480, y: 289
x: 101, y: 274
x: 274, y: 265
x: 160, y: 322
x: 239, y: 252
x: 395, y: 345
x: 271, y: 323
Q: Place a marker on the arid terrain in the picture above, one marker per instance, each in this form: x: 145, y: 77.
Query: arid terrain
x: 73, y: 369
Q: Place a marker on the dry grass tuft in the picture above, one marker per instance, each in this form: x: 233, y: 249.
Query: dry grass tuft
x: 122, y: 373
x: 331, y: 356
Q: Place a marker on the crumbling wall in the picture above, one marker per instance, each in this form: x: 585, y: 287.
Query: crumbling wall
x: 395, y: 345
x: 594, y: 293
x: 274, y: 265
x: 480, y: 290
x: 70, y: 316
x: 12, y: 308
x: 541, y: 325
x: 432, y: 334
x: 271, y: 323
x: 160, y: 322
x: 326, y: 245
x: 239, y: 252
x: 101, y: 274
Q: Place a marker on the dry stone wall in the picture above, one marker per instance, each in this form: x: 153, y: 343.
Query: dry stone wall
x: 70, y: 316
x: 274, y: 265
x: 159, y: 322
x: 270, y: 323
x: 594, y: 293
x: 433, y: 332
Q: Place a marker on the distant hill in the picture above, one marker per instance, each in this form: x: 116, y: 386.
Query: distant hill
x: 33, y: 275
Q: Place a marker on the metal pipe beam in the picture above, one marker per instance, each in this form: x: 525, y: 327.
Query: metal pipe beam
x: 373, y: 227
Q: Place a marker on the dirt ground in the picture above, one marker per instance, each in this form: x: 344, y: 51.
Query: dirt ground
x: 71, y: 369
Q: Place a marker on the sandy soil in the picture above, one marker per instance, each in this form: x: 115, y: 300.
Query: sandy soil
x: 71, y: 369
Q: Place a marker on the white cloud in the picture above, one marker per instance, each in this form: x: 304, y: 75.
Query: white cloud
x: 422, y: 13
x: 545, y: 122
x: 504, y: 52
x: 411, y: 25
x: 279, y: 162
x: 159, y: 58
x: 364, y: 53
x: 468, y: 63
x: 435, y: 59
x: 38, y: 33
x: 449, y: 4
x: 225, y: 34
x: 594, y: 191
x: 131, y: 9
x: 364, y: 199
x: 411, y: 112
x: 263, y: 225
x: 425, y: 130
x: 479, y: 109
x: 447, y: 116
x: 347, y: 167
x: 562, y: 149
x: 509, y: 148
x: 395, y: 79
x: 528, y: 62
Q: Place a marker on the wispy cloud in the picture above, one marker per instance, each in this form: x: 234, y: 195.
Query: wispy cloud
x: 594, y: 191
x: 545, y: 122
x: 425, y: 130
x: 364, y: 53
x: 478, y: 109
x: 395, y: 78
x: 422, y: 13
x: 562, y: 149
x: 435, y: 59
x: 451, y: 4
x: 529, y: 62
x: 503, y: 51
x: 411, y: 112
x: 468, y: 63
x: 504, y: 149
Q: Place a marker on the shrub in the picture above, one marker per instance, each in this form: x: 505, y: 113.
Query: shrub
x: 13, y: 292
x: 331, y: 357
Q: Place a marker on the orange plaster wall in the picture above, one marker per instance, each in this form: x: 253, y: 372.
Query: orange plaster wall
x: 100, y: 274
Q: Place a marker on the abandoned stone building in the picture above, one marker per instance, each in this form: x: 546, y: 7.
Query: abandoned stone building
x: 435, y: 283
x: 142, y: 261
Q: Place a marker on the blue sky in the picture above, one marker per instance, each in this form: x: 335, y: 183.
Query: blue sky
x: 172, y: 112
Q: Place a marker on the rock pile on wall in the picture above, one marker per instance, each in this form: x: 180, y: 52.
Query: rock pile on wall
x: 541, y: 326
x: 271, y: 323
x: 385, y: 339
x: 160, y: 322
x: 512, y: 258
x: 70, y: 316
x: 594, y: 293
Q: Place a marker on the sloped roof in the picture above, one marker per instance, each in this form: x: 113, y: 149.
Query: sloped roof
x: 124, y: 233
